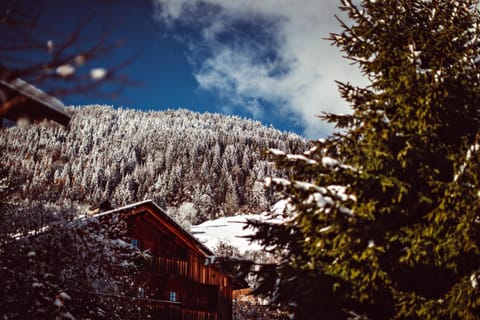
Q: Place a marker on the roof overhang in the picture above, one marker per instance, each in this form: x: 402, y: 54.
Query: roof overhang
x: 36, y: 105
x: 163, y: 218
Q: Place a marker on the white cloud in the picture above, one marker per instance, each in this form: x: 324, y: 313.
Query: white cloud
x: 281, y: 59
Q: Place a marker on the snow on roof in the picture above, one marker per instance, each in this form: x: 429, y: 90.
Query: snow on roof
x: 232, y: 230
x: 130, y: 206
x: 229, y: 230
x: 38, y: 96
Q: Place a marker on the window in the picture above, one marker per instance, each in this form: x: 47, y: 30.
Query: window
x: 141, y: 292
x: 173, y: 296
x: 134, y: 243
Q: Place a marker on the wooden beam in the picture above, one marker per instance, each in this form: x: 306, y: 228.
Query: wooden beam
x: 10, y: 104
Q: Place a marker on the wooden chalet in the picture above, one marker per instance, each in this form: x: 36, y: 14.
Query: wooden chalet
x: 180, y: 279
x: 21, y: 100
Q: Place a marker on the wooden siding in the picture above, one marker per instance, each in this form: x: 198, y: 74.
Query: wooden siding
x: 167, y: 266
x: 178, y: 263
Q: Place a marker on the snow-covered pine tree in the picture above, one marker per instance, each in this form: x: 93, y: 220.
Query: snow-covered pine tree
x: 128, y: 156
x: 386, y: 210
x: 56, y: 266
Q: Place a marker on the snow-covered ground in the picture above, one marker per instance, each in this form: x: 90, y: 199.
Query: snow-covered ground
x: 232, y: 231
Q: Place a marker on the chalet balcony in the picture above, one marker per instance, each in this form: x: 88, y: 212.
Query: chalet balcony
x: 165, y: 310
x: 126, y: 307
x: 160, y: 309
x: 138, y: 308
x: 198, y: 315
x: 167, y: 266
x: 155, y: 308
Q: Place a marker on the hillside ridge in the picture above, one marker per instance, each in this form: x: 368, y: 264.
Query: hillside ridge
x: 198, y: 166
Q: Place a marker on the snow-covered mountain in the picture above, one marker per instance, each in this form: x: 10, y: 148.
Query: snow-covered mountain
x: 198, y: 166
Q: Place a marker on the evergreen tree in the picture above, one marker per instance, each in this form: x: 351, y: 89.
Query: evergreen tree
x: 385, y: 220
x: 55, y: 265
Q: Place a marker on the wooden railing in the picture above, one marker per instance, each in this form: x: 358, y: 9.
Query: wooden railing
x: 198, y: 315
x: 152, y: 307
x: 158, y: 309
x: 168, y: 265
x: 127, y: 307
x: 195, y: 270
x: 167, y: 310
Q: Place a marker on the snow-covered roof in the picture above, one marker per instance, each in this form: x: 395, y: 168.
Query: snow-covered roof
x: 233, y: 230
x: 188, y: 237
x: 40, y: 105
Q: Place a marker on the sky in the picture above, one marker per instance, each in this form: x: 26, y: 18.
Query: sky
x: 265, y: 60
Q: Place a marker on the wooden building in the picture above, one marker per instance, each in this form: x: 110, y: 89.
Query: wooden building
x: 20, y: 100
x: 180, y: 279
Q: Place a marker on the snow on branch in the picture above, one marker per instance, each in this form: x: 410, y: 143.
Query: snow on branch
x: 322, y: 197
x: 473, y: 150
x: 292, y: 157
x: 276, y: 152
x: 3, y: 185
x: 301, y: 158
x: 327, y: 162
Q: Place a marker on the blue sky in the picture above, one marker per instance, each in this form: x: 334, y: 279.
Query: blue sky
x: 264, y: 60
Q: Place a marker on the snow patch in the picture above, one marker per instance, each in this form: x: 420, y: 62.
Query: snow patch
x: 301, y: 158
x: 233, y: 231
x: 64, y: 296
x: 474, y: 280
x: 325, y: 229
x: 50, y: 46
x: 330, y: 162
x: 281, y: 181
x: 280, y: 206
x: 306, y: 186
x: 371, y: 243
x: 346, y: 211
x: 65, y: 70
x: 276, y: 152
x: 320, y: 200
x: 98, y: 74
x: 229, y: 230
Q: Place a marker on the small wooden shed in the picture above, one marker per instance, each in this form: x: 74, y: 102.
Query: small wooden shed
x: 180, y: 274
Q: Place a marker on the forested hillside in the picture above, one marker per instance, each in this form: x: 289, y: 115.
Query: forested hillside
x: 200, y: 165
